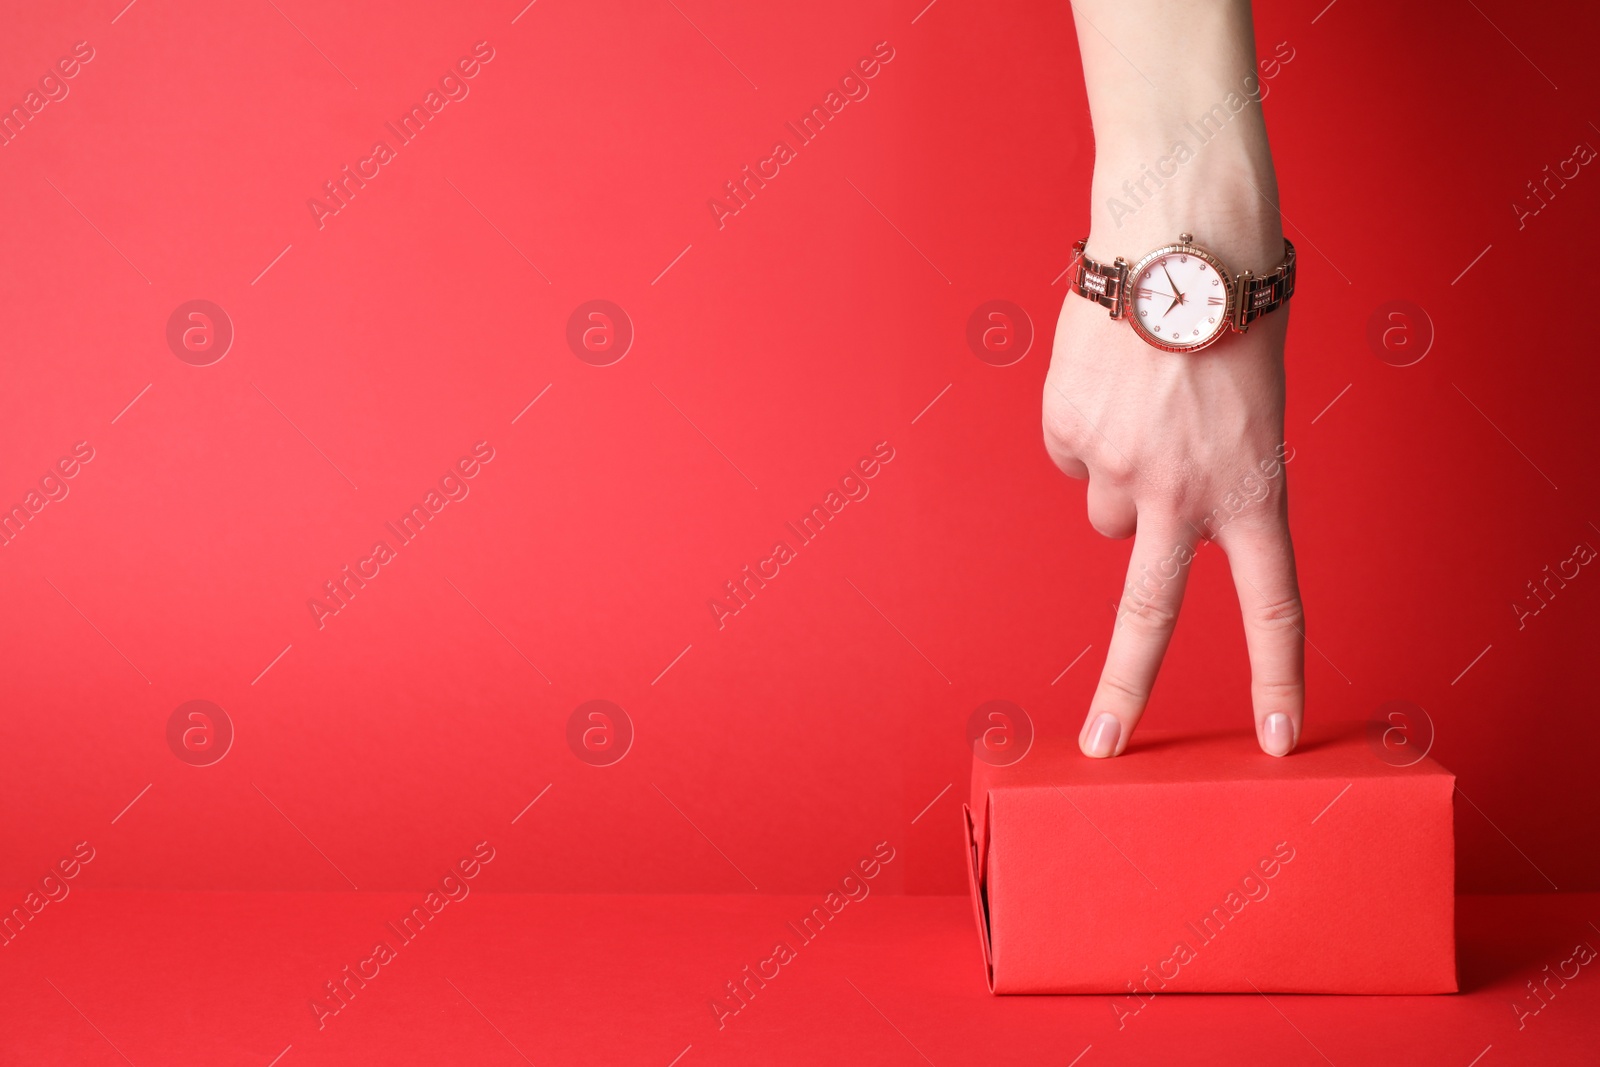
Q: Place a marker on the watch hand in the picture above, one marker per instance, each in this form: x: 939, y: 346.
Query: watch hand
x: 1170, y: 282
x: 1175, y: 302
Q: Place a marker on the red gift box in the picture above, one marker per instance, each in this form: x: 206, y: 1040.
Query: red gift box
x: 1199, y: 864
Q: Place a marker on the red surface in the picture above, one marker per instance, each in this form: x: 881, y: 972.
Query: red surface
x: 224, y: 978
x: 1199, y: 864
x: 374, y: 349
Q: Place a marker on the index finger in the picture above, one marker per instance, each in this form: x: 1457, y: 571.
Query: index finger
x: 1158, y: 570
x: 1261, y: 556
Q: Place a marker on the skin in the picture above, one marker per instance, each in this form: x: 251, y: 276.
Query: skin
x: 1167, y: 439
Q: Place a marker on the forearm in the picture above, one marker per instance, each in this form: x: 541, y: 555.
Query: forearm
x: 1166, y: 433
x: 1180, y: 141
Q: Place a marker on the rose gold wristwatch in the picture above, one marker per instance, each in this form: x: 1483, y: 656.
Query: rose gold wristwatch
x: 1180, y: 297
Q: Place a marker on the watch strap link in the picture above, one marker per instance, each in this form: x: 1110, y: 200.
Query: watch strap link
x: 1098, y: 282
x: 1260, y: 295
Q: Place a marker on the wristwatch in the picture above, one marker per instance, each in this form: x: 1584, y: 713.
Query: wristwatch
x: 1180, y: 297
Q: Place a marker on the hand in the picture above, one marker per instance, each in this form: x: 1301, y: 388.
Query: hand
x: 1177, y: 297
x: 1179, y: 449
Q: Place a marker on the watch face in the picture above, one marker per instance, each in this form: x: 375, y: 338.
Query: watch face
x: 1179, y: 297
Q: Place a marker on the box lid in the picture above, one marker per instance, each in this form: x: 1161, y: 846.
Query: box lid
x: 1342, y: 751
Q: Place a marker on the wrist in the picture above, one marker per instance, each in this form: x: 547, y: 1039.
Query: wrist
x: 1224, y: 196
x: 1164, y: 168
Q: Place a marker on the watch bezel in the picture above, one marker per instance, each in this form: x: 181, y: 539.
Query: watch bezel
x: 1131, y: 284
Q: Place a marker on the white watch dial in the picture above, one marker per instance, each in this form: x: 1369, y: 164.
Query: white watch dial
x: 1179, y: 300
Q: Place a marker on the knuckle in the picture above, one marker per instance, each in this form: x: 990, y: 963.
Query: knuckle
x: 1250, y: 502
x: 1179, y: 496
x: 1279, y: 613
x: 1145, y: 617
x: 1063, y: 431
x: 1116, y: 685
x: 1114, y: 467
x: 1275, y: 693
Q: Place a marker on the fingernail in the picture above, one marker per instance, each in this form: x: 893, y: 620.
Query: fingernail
x: 1277, y: 736
x: 1103, y: 736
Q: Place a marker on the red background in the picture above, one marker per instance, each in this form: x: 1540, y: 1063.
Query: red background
x: 820, y: 320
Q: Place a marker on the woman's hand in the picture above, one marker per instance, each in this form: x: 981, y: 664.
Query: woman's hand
x: 1179, y: 448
